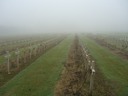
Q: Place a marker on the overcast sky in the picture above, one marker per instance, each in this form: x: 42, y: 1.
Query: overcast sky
x: 65, y: 15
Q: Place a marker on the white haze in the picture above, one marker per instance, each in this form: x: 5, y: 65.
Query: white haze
x: 42, y: 16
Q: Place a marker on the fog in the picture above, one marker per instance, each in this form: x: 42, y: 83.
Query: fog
x: 62, y: 16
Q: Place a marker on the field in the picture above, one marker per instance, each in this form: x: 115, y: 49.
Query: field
x: 68, y: 65
x: 41, y: 76
x: 112, y: 66
x: 20, y: 58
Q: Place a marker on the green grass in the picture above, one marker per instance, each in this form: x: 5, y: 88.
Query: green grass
x: 112, y: 66
x: 40, y: 78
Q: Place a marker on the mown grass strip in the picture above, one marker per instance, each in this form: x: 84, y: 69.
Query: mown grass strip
x: 40, y: 77
x: 112, y: 66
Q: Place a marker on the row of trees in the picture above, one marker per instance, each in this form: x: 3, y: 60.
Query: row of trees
x: 80, y: 68
x: 89, y: 65
x: 118, y: 41
x: 24, y: 56
x: 13, y: 45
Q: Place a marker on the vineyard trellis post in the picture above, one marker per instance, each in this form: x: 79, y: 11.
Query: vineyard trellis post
x: 44, y: 46
x: 91, y: 78
x: 8, y: 62
x: 24, y: 55
x: 30, y: 51
x: 35, y: 50
x: 18, y: 55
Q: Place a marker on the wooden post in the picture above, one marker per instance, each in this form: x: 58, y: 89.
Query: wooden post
x: 17, y: 53
x: 44, y: 47
x: 87, y: 57
x: 35, y: 50
x: 30, y: 52
x: 24, y: 56
x: 88, y: 71
x: 88, y: 66
x: 39, y: 48
x: 91, y: 78
x: 8, y: 62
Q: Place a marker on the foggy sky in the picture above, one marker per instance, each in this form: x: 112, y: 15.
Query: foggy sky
x: 65, y: 15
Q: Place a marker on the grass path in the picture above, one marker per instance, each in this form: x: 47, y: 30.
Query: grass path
x: 40, y: 77
x: 112, y: 66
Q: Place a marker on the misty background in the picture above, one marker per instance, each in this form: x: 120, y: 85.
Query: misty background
x: 18, y: 17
